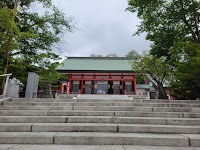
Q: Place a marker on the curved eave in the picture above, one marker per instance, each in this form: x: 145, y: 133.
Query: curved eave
x: 95, y: 71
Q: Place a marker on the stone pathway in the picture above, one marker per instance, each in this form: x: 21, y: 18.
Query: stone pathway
x: 91, y: 147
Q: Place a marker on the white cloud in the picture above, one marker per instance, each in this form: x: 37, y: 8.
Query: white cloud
x: 103, y: 27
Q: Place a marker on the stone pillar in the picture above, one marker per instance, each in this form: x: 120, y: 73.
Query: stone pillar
x: 32, y: 85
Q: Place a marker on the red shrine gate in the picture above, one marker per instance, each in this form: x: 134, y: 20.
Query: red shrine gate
x: 99, y: 83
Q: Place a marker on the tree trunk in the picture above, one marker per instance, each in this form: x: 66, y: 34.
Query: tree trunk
x: 7, y: 61
x: 50, y: 93
x: 162, y: 94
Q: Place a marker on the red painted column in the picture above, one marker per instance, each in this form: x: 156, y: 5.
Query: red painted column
x: 135, y: 85
x: 69, y: 75
x: 82, y: 83
x: 122, y: 78
x: 82, y: 86
x: 122, y: 86
x: 60, y: 87
x: 68, y: 88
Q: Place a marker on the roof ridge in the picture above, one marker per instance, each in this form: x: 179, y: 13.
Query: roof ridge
x: 102, y: 58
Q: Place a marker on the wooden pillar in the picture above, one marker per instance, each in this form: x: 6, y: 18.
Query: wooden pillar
x: 122, y: 86
x: 82, y: 84
x: 70, y: 82
x: 68, y: 85
x: 60, y: 87
x: 122, y: 80
x: 135, y: 84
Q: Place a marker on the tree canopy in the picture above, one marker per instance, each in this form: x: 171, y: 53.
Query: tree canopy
x: 133, y: 54
x: 168, y: 23
x: 155, y: 69
x: 174, y: 29
x: 34, y: 35
x: 186, y: 83
x: 99, y: 55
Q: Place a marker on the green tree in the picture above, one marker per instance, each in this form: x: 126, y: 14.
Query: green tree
x: 10, y: 35
x: 48, y: 27
x: 186, y: 82
x: 48, y: 77
x: 111, y: 55
x: 96, y: 55
x: 167, y: 23
x: 173, y: 27
x: 156, y: 69
x: 99, y: 55
x: 133, y: 54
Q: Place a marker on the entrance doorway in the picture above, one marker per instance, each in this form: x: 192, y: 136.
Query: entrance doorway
x: 116, y: 87
x: 128, y: 88
x: 88, y: 87
x: 75, y: 87
x: 102, y: 87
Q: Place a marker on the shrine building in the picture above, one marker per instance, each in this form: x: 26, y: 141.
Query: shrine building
x: 97, y: 75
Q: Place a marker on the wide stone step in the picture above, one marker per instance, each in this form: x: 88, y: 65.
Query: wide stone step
x: 27, y: 137
x: 24, y: 112
x: 41, y: 100
x: 33, y: 100
x: 137, y: 101
x: 33, y: 119
x: 57, y: 127
x: 156, y: 104
x: 36, y: 107
x: 99, y: 119
x: 106, y: 100
x: 113, y: 108
x: 175, y: 109
x: 80, y: 119
x: 88, y: 108
x: 89, y: 147
x: 103, y: 108
x: 107, y: 96
x: 73, y: 100
x: 86, y: 138
x: 80, y: 113
x: 54, y: 113
x: 171, y: 101
x: 98, y: 127
x: 137, y: 108
x: 98, y: 113
x: 5, y: 103
x: 100, y: 138
x: 157, y: 114
x: 124, y: 114
x: 134, y: 120
x: 160, y: 129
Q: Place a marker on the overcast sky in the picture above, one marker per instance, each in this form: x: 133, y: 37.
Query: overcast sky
x: 103, y: 27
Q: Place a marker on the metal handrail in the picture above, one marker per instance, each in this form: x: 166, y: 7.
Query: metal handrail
x: 6, y: 84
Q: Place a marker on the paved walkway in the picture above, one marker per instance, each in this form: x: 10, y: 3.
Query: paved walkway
x: 91, y: 147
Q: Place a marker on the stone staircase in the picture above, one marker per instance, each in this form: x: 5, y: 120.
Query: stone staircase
x: 100, y: 120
